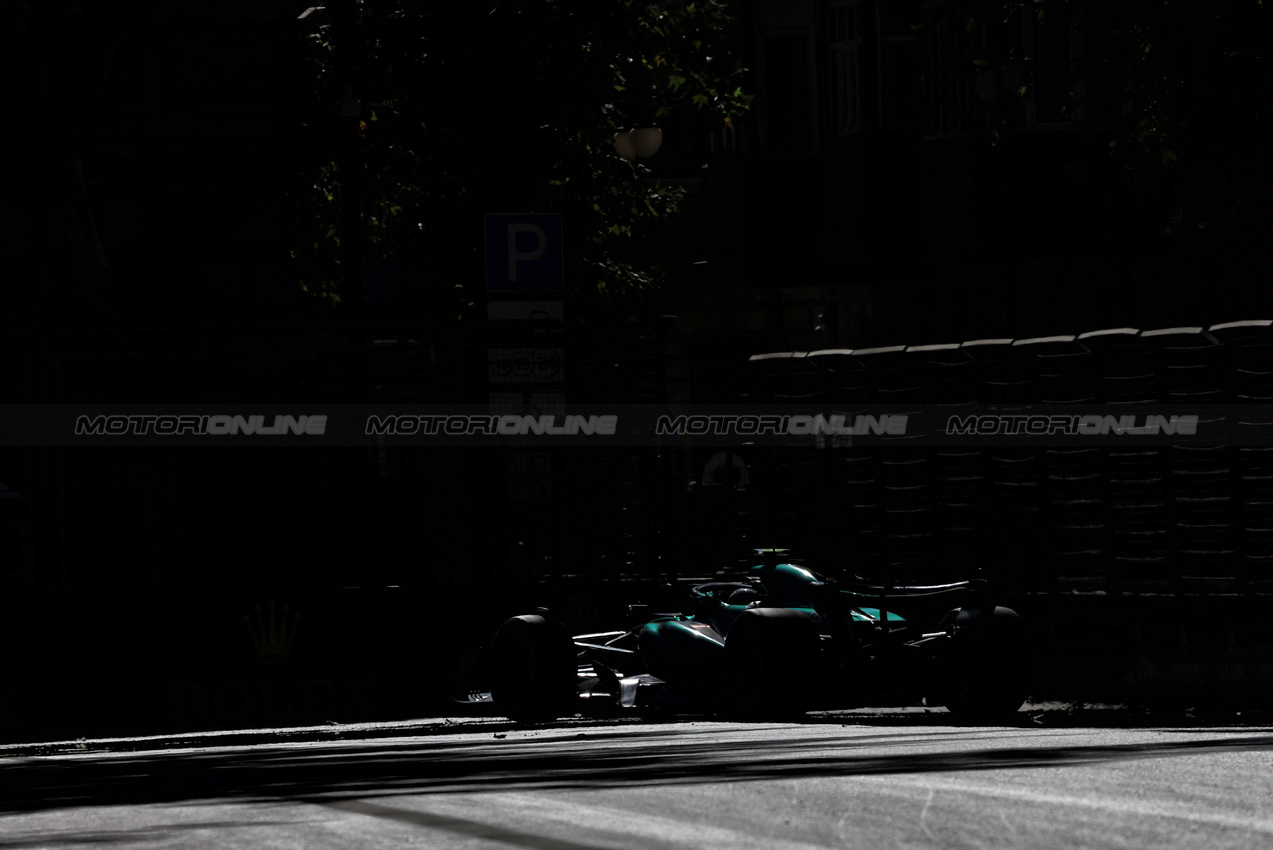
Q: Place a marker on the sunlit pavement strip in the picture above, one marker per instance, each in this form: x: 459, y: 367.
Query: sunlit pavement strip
x: 434, y: 726
x: 592, y: 826
x: 696, y: 783
x: 441, y: 729
x: 1049, y: 798
x: 219, y: 825
x: 943, y: 806
x: 264, y: 735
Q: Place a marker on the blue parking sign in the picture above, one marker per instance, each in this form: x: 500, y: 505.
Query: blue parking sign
x: 524, y: 252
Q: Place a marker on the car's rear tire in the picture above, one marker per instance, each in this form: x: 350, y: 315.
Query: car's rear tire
x: 770, y: 664
x: 533, y: 669
x: 985, y: 675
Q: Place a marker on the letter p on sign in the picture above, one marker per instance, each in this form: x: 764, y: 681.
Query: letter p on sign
x: 523, y: 252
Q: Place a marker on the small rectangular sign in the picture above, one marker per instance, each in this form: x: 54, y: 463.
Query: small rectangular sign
x: 524, y: 252
x: 526, y: 365
x: 525, y: 311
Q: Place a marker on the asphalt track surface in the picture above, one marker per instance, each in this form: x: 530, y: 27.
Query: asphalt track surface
x: 847, y: 781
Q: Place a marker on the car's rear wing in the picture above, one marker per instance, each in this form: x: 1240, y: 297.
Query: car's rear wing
x: 903, y: 591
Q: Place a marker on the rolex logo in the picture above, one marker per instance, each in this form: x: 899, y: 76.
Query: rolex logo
x: 272, y: 632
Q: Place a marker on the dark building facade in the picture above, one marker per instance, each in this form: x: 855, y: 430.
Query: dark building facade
x: 929, y: 190
x: 914, y: 176
x: 928, y: 172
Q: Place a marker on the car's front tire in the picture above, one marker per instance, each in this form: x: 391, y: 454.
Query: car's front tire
x: 533, y: 669
x: 770, y: 664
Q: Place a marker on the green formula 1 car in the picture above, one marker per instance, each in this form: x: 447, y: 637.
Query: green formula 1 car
x: 778, y: 642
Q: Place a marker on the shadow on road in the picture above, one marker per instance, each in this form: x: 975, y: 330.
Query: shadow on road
x: 554, y: 759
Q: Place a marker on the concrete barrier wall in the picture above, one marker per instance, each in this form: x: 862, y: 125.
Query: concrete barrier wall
x: 1166, y: 518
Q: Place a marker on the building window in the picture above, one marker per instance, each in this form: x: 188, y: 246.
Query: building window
x: 1097, y: 91
x: 844, y: 55
x: 788, y: 114
x: 947, y: 92
x: 897, y: 59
